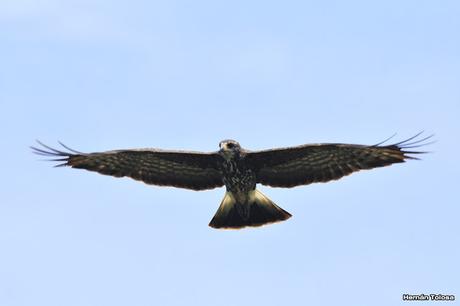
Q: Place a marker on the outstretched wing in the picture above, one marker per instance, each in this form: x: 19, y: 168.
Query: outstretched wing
x: 191, y: 170
x: 289, y: 167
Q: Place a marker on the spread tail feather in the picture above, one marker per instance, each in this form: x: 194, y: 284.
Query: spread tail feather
x: 258, y: 211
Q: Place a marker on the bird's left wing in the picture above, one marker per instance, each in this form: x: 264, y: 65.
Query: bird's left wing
x: 191, y: 170
x: 289, y: 167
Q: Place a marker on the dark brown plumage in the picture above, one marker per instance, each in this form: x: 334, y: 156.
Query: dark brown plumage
x: 191, y: 170
x: 302, y: 165
x: 240, y: 170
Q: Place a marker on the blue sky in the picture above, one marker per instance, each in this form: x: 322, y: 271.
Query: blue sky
x: 101, y: 75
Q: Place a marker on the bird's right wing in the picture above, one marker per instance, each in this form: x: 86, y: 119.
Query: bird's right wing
x: 191, y: 170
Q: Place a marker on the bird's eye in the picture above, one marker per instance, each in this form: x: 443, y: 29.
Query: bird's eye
x: 230, y: 145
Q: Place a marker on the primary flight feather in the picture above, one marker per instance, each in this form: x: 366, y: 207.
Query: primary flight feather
x: 239, y: 170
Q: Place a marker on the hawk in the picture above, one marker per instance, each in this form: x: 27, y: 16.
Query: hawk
x: 240, y: 170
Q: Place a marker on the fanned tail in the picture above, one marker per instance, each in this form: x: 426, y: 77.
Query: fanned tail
x: 261, y: 211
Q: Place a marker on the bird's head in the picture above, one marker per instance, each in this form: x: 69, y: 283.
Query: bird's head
x: 229, y: 148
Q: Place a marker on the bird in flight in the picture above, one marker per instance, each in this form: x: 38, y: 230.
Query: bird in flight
x: 240, y: 170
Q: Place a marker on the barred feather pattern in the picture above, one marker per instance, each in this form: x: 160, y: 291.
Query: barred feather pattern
x: 191, y: 170
x: 289, y: 167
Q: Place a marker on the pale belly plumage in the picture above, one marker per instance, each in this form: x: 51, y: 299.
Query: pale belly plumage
x: 239, y: 180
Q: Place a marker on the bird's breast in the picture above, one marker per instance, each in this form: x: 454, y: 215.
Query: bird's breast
x: 238, y: 179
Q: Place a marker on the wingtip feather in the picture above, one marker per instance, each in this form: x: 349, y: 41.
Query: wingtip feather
x: 56, y: 155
